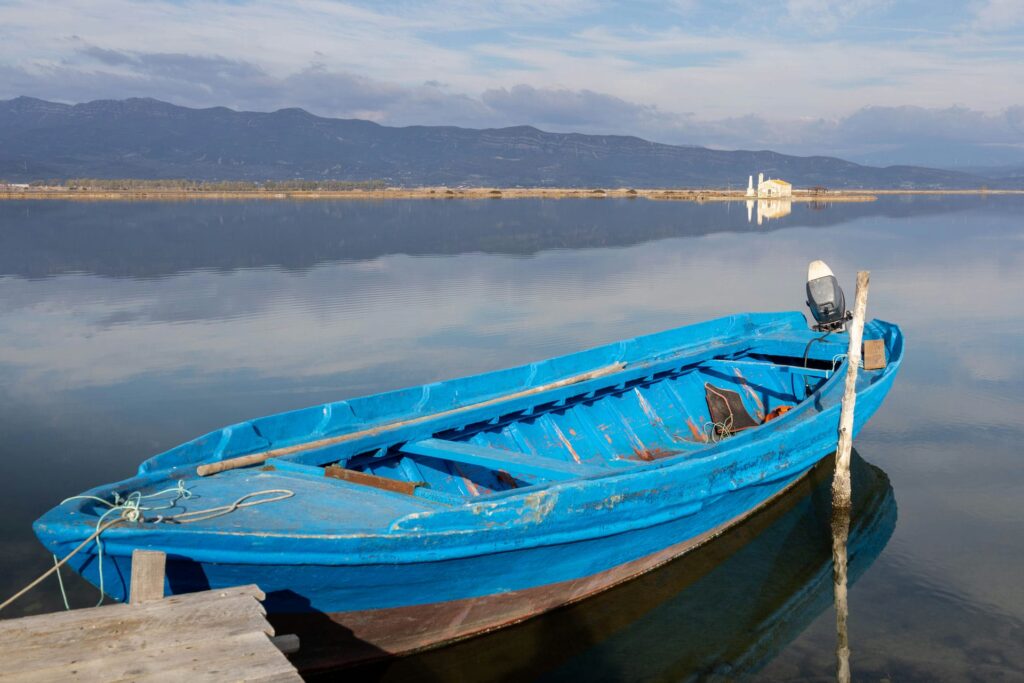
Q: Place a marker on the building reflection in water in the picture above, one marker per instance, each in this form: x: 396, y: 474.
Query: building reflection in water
x: 768, y: 209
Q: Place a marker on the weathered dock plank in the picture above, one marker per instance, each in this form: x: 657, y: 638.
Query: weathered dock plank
x: 216, y: 635
x: 244, y: 657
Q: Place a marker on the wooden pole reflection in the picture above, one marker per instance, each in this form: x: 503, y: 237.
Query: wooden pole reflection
x: 840, y: 533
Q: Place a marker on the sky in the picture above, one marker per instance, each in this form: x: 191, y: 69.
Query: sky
x: 896, y: 81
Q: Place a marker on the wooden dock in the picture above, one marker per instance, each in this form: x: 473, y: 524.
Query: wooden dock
x: 216, y: 635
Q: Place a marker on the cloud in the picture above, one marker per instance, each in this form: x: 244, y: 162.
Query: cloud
x: 998, y: 15
x: 901, y: 124
x: 185, y: 66
x: 583, y: 109
x: 108, y: 57
x: 350, y: 95
x: 720, y: 60
x: 214, y: 80
x: 691, y: 76
x: 825, y: 16
x: 945, y: 136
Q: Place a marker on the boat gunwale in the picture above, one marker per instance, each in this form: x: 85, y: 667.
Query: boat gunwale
x: 125, y: 538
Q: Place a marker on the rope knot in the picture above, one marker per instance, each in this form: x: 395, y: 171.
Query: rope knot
x: 132, y: 513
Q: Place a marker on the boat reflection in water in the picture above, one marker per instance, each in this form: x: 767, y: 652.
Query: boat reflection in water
x: 719, y: 612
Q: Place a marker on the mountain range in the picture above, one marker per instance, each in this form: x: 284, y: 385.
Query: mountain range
x: 147, y: 138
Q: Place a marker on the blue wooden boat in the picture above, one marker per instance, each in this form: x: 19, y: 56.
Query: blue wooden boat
x: 417, y: 517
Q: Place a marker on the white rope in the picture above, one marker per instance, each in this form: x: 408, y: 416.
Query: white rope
x: 130, y: 509
x: 132, y: 503
x: 837, y: 360
x: 210, y: 513
x: 716, y: 431
x: 60, y: 582
x: 57, y: 566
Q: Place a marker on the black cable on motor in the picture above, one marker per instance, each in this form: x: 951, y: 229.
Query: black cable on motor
x: 807, y: 350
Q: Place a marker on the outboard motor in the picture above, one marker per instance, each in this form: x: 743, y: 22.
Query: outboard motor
x: 825, y: 298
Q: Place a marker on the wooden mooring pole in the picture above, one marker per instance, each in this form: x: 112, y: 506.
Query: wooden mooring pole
x: 841, y: 480
x: 841, y: 488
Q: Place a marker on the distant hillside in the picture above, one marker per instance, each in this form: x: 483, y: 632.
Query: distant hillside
x: 146, y: 138
x: 1005, y: 175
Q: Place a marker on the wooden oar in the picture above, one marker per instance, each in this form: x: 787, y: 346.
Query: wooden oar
x: 257, y: 458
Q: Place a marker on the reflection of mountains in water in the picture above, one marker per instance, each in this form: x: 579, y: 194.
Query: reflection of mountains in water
x: 153, y: 239
x: 722, y: 611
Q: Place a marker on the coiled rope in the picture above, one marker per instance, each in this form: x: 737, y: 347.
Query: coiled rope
x: 243, y: 502
x: 131, y: 509
x: 717, y: 431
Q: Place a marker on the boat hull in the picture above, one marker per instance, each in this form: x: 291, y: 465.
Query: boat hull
x: 344, y: 638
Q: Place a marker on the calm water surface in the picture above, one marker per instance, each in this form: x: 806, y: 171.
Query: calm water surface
x: 126, y: 328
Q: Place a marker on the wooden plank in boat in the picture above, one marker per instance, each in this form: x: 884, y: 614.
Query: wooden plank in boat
x: 498, y: 459
x: 356, y: 477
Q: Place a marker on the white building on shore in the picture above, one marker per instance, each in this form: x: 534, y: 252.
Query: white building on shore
x: 768, y: 189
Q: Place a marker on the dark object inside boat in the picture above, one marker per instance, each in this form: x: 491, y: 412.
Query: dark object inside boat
x: 825, y: 298
x: 727, y: 410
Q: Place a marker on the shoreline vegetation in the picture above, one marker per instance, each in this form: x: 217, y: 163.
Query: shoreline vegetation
x: 173, y: 190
